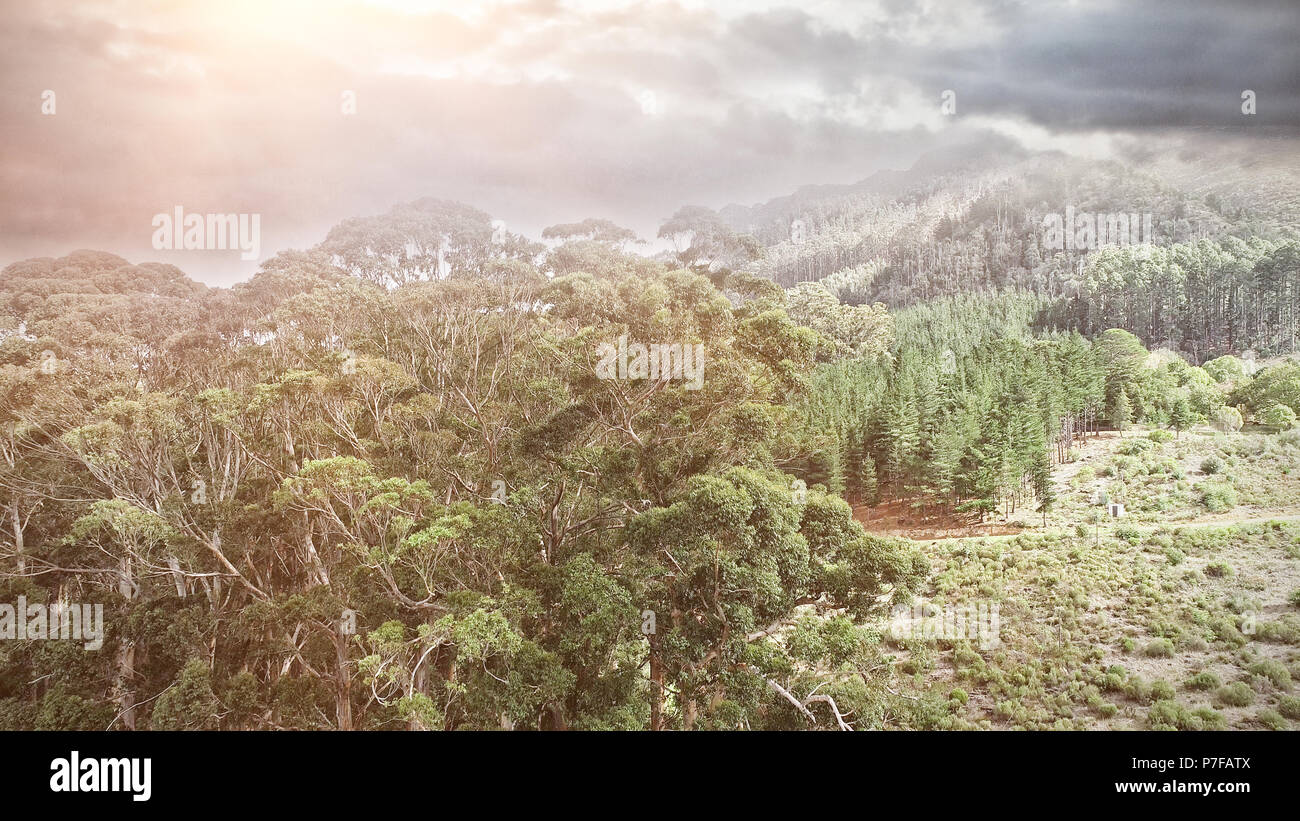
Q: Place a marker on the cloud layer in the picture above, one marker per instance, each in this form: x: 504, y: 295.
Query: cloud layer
x: 543, y: 111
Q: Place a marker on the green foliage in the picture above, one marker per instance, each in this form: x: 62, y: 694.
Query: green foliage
x: 1218, y: 496
x: 1225, y: 369
x: 1225, y: 630
x: 1289, y: 706
x: 1204, y: 680
x: 1159, y: 648
x: 1218, y: 569
x: 1274, y: 671
x: 1279, y: 417
x: 1272, y: 720
x: 1173, y: 715
x: 1237, y: 694
x: 189, y: 704
x: 1162, y: 690
x: 1227, y: 419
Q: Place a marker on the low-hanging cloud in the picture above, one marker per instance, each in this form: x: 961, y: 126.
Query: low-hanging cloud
x: 542, y: 111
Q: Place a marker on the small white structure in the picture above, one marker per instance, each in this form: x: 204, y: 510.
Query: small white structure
x: 1116, y: 510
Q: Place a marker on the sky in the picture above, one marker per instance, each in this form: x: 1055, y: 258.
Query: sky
x: 542, y: 111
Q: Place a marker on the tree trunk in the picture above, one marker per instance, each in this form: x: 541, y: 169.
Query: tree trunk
x: 18, y: 538
x: 343, y: 681
x: 125, y: 683
x: 656, y: 686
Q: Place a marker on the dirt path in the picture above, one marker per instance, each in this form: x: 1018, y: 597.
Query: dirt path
x: 1209, y: 521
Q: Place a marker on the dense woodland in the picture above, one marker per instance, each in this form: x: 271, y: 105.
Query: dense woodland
x: 403, y: 427
x: 231, y: 471
x: 1218, y: 279
x: 974, y: 417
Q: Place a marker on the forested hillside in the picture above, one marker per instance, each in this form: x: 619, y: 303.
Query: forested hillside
x: 1216, y: 278
x: 237, y: 473
x: 398, y: 481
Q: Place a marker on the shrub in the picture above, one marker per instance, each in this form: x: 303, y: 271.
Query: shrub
x: 1211, y: 465
x: 1289, y: 706
x: 1160, y: 648
x: 1204, y: 680
x: 1278, y: 417
x: 1219, y: 570
x: 1133, y: 447
x: 1237, y: 694
x: 1175, y: 556
x: 1218, y: 496
x: 1225, y: 630
x: 1271, y: 720
x: 1159, y: 436
x: 1171, y: 715
x: 1274, y: 671
x: 1138, y: 690
x: 1239, y: 603
x: 1160, y: 540
x: 1286, y: 631
x: 1227, y: 419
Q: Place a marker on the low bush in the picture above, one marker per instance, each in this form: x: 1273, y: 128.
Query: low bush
x: 1204, y: 680
x: 1237, y: 694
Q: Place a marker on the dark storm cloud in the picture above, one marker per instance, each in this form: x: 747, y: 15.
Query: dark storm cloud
x: 1112, y: 66
x: 1140, y: 65
x: 541, y: 112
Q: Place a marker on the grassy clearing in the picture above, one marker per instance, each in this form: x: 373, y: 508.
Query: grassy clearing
x: 1201, y: 475
x: 1169, y: 627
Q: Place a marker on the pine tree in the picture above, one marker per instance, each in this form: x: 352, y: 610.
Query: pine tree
x: 1122, y: 413
x: 866, y: 474
x: 1041, y: 477
x: 859, y: 471
x: 1181, y: 416
x: 898, y: 441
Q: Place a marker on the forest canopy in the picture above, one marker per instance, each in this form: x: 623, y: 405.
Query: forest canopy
x: 383, y: 485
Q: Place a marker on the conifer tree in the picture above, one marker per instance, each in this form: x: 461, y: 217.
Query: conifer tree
x: 1122, y: 412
